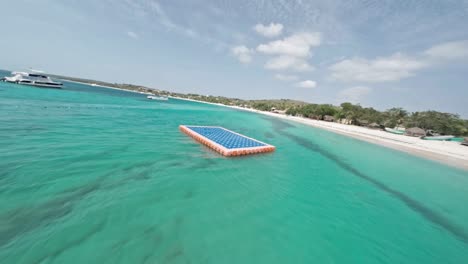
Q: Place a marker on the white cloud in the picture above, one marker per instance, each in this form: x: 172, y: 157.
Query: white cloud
x: 269, y: 31
x: 164, y: 18
x: 242, y: 53
x: 297, y: 45
x: 288, y: 63
x: 449, y: 50
x: 397, y: 66
x: 384, y: 69
x: 353, y: 94
x: 285, y: 77
x: 132, y: 34
x: 307, y: 84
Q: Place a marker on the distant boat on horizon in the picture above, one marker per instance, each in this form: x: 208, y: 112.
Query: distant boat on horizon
x: 32, y: 79
x: 160, y: 98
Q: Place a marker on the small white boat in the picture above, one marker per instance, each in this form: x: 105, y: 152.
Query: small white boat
x: 433, y: 135
x: 160, y: 98
x: 32, y: 79
x: 438, y: 137
x: 394, y: 131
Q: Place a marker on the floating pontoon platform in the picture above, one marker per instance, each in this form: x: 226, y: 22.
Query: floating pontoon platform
x: 225, y: 141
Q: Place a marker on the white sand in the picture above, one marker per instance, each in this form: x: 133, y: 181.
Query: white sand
x: 451, y: 153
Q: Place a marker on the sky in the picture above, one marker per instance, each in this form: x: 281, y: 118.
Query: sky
x: 387, y: 53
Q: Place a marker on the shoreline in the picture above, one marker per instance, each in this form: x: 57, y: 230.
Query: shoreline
x: 103, y: 86
x: 445, y: 152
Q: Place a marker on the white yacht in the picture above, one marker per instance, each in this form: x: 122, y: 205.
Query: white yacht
x: 160, y: 98
x: 33, y: 79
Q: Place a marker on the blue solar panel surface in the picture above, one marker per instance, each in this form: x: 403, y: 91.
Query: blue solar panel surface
x: 226, y: 138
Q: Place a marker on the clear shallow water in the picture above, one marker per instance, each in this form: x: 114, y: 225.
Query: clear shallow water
x: 91, y: 175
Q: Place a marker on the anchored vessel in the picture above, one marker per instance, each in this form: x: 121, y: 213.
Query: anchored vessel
x: 394, y: 131
x: 441, y: 138
x: 32, y: 79
x: 160, y: 98
x: 433, y: 135
x: 226, y: 142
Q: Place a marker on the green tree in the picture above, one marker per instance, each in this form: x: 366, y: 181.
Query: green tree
x: 395, y: 116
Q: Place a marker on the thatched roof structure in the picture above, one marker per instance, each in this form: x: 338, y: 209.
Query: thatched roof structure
x: 415, y: 132
x: 362, y: 122
x: 345, y: 121
x: 465, y: 142
x: 373, y: 125
x: 328, y: 118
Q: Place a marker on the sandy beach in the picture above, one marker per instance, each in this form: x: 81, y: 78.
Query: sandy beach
x: 447, y: 152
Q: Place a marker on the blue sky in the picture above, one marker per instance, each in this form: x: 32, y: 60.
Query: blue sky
x: 408, y: 53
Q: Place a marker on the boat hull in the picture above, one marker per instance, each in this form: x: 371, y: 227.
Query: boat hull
x: 157, y: 98
x: 394, y: 131
x: 32, y: 79
x: 440, y: 138
x: 42, y: 85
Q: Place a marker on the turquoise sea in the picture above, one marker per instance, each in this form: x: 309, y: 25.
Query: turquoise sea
x: 94, y: 175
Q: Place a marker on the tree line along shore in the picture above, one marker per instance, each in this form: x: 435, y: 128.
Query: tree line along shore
x: 346, y: 113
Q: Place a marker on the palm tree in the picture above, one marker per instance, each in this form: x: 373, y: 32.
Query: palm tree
x: 397, y: 115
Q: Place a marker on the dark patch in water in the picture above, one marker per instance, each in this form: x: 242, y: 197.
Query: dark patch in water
x: 205, y: 163
x: 155, y: 237
x: 179, y: 220
x: 146, y: 164
x: 73, y: 243
x: 175, y: 164
x: 269, y: 135
x: 278, y: 124
x: 189, y: 194
x: 133, y: 176
x: 146, y: 258
x: 144, y: 175
x: 26, y: 219
x: 176, y: 253
x: 27, y: 129
x: 117, y: 247
x: 425, y: 212
x: 99, y: 155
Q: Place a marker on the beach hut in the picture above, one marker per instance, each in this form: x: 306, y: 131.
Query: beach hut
x: 465, y: 142
x: 361, y: 122
x: 374, y: 126
x: 346, y: 121
x: 328, y: 118
x: 415, y: 132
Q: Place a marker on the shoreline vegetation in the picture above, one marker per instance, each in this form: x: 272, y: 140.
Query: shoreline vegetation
x: 364, y: 123
x: 346, y: 113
